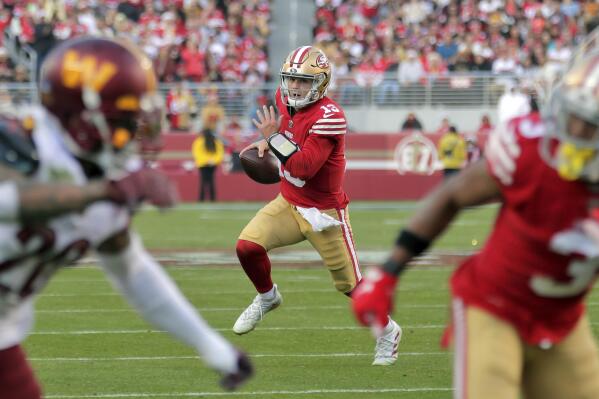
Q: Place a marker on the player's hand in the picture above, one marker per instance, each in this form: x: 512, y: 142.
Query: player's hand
x: 245, y: 370
x: 143, y: 185
x: 267, y: 122
x: 501, y: 151
x: 372, y: 300
x: 261, y: 145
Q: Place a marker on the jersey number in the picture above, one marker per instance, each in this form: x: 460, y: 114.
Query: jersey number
x: 329, y: 110
x: 38, y: 243
x: 582, y: 274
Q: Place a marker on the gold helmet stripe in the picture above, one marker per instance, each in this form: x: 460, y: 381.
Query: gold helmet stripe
x: 299, y: 54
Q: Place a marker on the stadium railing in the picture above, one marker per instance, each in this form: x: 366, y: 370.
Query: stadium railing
x: 457, y: 90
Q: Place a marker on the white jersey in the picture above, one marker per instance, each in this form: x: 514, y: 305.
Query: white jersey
x: 29, y: 255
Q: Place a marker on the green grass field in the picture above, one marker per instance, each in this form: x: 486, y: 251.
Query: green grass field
x: 88, y: 343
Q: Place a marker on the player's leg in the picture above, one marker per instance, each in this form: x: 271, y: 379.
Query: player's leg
x: 487, y: 355
x: 567, y: 370
x: 337, y: 249
x: 17, y: 380
x: 273, y: 226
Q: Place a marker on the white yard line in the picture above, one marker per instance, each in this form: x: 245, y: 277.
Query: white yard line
x: 150, y: 331
x: 252, y: 393
x: 231, y: 309
x: 254, y: 355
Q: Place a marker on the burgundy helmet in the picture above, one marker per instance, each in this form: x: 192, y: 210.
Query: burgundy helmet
x: 103, y: 92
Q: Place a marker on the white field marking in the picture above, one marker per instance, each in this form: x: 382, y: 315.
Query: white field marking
x: 206, y: 310
x: 148, y: 330
x: 232, y: 309
x: 210, y: 269
x: 251, y: 393
x: 405, y: 288
x: 254, y: 355
x: 333, y: 328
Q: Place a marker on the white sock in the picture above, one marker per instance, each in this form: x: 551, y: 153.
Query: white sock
x: 269, y: 295
x: 388, y: 327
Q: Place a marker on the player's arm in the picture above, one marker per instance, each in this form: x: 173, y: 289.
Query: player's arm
x: 146, y: 286
x: 373, y: 298
x: 27, y: 201
x: 473, y: 186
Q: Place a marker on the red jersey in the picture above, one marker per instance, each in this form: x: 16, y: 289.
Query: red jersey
x: 313, y: 176
x: 537, y: 264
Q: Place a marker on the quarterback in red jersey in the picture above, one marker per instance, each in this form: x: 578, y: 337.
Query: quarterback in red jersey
x: 519, y: 321
x: 308, y: 138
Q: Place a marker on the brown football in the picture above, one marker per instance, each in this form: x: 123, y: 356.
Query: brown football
x: 264, y: 170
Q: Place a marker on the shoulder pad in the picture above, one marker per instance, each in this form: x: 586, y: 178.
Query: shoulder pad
x: 17, y: 150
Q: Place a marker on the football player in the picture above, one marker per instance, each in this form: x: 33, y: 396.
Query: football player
x: 519, y: 321
x: 308, y: 138
x: 70, y: 175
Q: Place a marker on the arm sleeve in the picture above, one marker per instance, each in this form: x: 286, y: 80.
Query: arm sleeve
x: 145, y: 285
x: 307, y: 162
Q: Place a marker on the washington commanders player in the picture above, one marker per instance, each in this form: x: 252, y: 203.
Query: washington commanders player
x: 70, y: 174
x: 519, y: 321
x: 309, y: 140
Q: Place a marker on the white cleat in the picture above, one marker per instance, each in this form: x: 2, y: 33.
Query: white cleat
x: 254, y: 313
x: 385, y: 351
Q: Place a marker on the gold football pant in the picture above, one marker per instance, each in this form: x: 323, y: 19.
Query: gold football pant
x: 279, y: 224
x: 492, y: 362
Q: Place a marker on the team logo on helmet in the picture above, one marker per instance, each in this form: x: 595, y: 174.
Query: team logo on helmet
x: 322, y: 61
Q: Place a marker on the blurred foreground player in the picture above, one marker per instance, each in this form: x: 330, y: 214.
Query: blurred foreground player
x: 70, y: 175
x: 519, y: 322
x: 309, y: 140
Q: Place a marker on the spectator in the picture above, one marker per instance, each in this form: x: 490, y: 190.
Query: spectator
x: 512, y: 103
x: 411, y: 123
x: 181, y: 107
x: 473, y: 150
x: 208, y: 152
x: 212, y: 113
x: 193, y: 61
x: 485, y: 126
x: 452, y: 152
x: 444, y: 127
x: 410, y: 70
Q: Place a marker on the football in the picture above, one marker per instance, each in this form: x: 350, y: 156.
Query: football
x: 263, y: 170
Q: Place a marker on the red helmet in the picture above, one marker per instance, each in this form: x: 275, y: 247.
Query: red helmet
x: 104, y: 94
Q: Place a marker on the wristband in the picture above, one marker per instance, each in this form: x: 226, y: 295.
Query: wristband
x: 413, y: 243
x: 282, y: 147
x: 393, y: 267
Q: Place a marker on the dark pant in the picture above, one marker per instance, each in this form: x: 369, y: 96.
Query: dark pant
x: 447, y: 173
x: 207, y: 183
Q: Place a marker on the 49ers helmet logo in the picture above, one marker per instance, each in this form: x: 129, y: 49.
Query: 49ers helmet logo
x: 322, y: 61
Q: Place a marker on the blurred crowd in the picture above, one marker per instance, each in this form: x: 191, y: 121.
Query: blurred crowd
x: 198, y: 41
x: 415, y: 38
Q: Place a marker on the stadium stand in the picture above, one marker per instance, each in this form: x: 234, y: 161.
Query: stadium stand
x: 386, y: 54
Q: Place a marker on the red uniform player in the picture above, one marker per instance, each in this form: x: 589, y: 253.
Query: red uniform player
x: 518, y: 316
x: 308, y: 138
